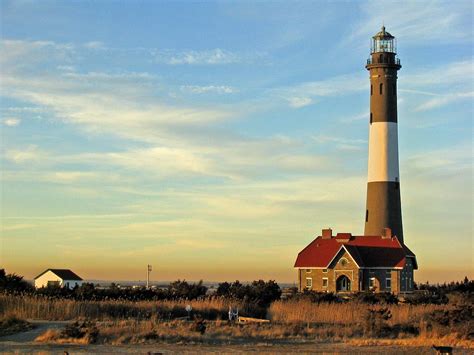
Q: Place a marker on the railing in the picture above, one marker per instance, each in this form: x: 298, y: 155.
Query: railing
x: 383, y: 60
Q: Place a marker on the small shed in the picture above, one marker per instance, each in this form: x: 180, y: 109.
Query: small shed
x: 58, y: 277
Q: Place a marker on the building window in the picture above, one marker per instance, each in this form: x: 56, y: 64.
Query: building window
x: 308, y: 270
x: 388, y: 283
x: 388, y: 273
x: 325, y: 282
x: 381, y: 89
x: 343, y: 261
x: 309, y: 283
x: 325, y: 270
x: 367, y: 211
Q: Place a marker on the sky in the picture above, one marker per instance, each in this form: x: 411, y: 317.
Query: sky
x: 214, y: 140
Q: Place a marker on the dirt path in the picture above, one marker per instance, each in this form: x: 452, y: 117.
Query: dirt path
x: 263, y: 348
x: 40, y: 326
x: 23, y: 343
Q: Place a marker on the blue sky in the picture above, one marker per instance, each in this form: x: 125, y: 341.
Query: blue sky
x: 214, y: 140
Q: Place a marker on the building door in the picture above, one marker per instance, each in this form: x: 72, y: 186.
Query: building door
x: 343, y: 284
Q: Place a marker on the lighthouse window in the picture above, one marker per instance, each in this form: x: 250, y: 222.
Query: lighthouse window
x: 371, y: 118
x: 394, y: 89
x: 381, y: 89
x: 371, y: 89
x: 366, y: 215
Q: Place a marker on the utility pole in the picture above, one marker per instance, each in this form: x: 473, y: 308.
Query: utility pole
x: 148, y: 276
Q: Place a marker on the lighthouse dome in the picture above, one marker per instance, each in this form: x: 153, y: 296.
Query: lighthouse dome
x: 382, y: 34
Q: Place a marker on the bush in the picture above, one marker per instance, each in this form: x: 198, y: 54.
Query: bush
x: 13, y: 283
x: 259, y: 292
x: 376, y: 322
x: 377, y: 298
x: 12, y: 325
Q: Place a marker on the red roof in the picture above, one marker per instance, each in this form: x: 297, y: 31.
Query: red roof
x: 367, y: 251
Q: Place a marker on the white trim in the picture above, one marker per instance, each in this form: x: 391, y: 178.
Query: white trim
x: 306, y: 284
x: 342, y: 246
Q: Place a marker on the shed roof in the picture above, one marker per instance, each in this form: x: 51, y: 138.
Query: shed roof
x: 64, y: 274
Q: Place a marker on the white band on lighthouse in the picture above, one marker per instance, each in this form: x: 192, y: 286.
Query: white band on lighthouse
x: 383, y: 152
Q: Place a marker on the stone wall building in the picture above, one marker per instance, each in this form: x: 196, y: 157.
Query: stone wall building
x: 348, y: 263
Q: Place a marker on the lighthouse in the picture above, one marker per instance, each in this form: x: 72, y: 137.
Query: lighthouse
x: 383, y: 207
x: 379, y: 260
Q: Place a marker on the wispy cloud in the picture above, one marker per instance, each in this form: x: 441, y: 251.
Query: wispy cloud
x: 11, y: 121
x: 444, y: 100
x: 94, y: 45
x: 298, y: 102
x: 31, y: 154
x: 218, y: 89
x: 442, y: 85
x: 306, y: 93
x: 415, y: 23
x: 215, y: 56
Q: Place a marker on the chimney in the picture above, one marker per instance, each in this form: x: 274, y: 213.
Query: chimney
x: 386, y: 233
x: 327, y: 233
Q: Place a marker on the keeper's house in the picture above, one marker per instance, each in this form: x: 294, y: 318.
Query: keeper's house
x: 58, y: 278
x: 348, y: 263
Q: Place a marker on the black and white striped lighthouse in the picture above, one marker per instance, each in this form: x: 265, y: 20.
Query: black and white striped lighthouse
x: 383, y: 187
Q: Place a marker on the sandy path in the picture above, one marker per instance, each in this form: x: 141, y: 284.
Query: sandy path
x: 264, y: 348
x: 29, y: 336
x: 23, y: 343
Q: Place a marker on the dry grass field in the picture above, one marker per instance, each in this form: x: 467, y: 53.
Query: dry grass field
x: 147, y: 322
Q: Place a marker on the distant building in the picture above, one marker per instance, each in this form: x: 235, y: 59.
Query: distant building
x: 348, y: 263
x: 58, y: 277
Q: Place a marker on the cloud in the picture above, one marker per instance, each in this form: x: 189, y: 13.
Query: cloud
x: 298, y: 102
x: 11, y: 121
x: 97, y: 101
x: 454, y: 73
x: 209, y: 89
x: 414, y: 23
x: 344, y: 144
x: 444, y: 100
x: 30, y: 154
x: 306, y: 93
x: 207, y: 57
x: 442, y: 85
x: 94, y: 45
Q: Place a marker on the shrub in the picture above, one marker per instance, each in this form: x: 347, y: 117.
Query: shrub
x: 13, y: 282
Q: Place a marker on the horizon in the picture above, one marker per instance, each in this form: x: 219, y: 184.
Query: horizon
x: 216, y: 140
